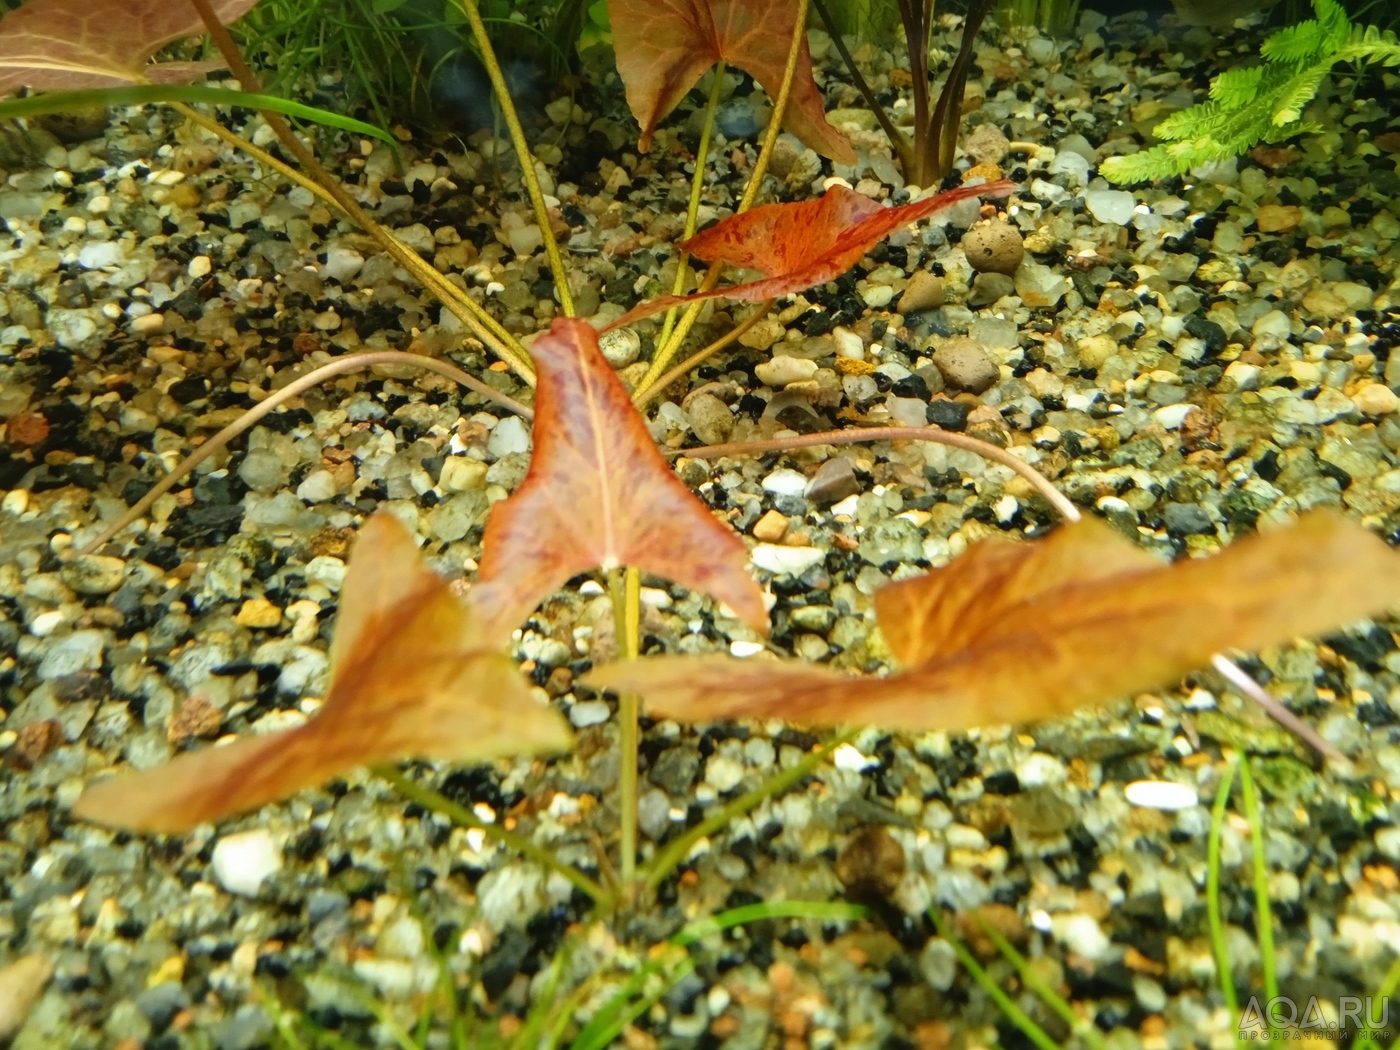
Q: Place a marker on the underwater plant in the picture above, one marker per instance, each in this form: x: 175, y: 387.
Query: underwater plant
x: 1053, y: 17
x: 929, y: 157
x: 598, y: 494
x: 1259, y: 103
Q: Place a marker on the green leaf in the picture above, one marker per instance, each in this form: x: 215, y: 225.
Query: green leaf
x: 384, y: 7
x: 147, y: 94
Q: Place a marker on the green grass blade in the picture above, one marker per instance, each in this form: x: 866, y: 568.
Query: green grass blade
x: 146, y: 94
x: 622, y: 1009
x: 1014, y: 1013
x: 725, y: 920
x: 1217, y: 925
x: 1080, y: 1026
x: 1263, y: 914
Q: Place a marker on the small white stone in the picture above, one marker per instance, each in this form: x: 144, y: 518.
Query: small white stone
x: 877, y: 297
x: 148, y: 324
x: 98, y: 254
x: 783, y: 369
x: 243, y: 860
x: 343, y: 263
x: 1172, y: 416
x: 43, y: 625
x: 742, y: 649
x: 785, y: 482
x: 200, y: 266
x: 848, y: 344
x: 588, y: 713
x: 792, y: 561
x: 317, y: 487
x: 1160, y: 794
x: 848, y: 756
x: 620, y: 346
x: 723, y: 773
x: 1039, y: 769
x: 1246, y: 376
x: 1081, y: 934
x: 848, y: 506
x: 509, y: 435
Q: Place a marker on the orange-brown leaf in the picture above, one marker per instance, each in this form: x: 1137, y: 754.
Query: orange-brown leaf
x: 68, y: 45
x: 599, y: 493
x: 803, y: 244
x: 1036, y: 649
x: 411, y: 678
x: 664, y: 46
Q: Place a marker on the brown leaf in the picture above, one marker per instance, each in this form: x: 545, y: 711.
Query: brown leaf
x: 664, y: 46
x: 411, y: 677
x: 804, y: 243
x: 599, y: 493
x: 69, y: 45
x: 1038, y: 630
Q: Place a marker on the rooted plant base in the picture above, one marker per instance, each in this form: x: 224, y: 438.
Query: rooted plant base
x: 1212, y: 364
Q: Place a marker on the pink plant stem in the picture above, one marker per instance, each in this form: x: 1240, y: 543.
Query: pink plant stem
x: 1232, y: 672
x: 349, y: 363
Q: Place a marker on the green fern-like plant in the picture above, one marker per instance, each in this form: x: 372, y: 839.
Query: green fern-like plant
x: 1260, y: 103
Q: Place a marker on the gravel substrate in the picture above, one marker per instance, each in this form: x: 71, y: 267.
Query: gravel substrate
x: 1190, y: 360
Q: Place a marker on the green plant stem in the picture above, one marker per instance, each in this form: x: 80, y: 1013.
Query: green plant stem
x: 1083, y: 1027
x: 348, y: 363
x: 625, y: 586
x: 438, y: 803
x: 898, y: 140
x: 146, y: 94
x: 1014, y: 1013
x: 697, y: 185
x: 522, y: 152
x: 1217, y: 924
x: 666, y: 352
x: 678, y: 849
x: 1263, y: 914
x: 644, y: 394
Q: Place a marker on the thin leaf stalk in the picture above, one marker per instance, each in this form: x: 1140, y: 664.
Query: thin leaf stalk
x: 645, y: 394
x: 1081, y: 1026
x: 348, y: 363
x: 678, y: 849
x: 984, y: 980
x: 468, y: 310
x: 697, y: 186
x: 665, y: 353
x: 522, y: 153
x: 1219, y: 947
x: 625, y: 586
x: 1263, y: 913
x: 458, y: 814
x: 898, y: 140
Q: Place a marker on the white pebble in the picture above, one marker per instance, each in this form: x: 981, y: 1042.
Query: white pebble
x: 723, y: 773
x: 99, y: 254
x: 200, y: 266
x: 509, y: 435
x: 793, y: 561
x: 243, y: 860
x: 785, y: 482
x: 1172, y: 416
x: 1080, y: 934
x: 1160, y: 794
x: 847, y: 756
x: 742, y: 649
x: 848, y: 344
x: 588, y: 713
x: 783, y: 369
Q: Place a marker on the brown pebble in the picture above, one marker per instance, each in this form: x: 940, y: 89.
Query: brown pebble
x: 771, y: 527
x: 20, y: 985
x: 197, y: 716
x: 925, y: 292
x: 993, y: 248
x: 36, y: 740
x: 872, y: 864
x: 331, y: 542
x: 27, y: 428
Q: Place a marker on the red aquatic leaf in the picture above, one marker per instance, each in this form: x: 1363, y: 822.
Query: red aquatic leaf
x: 599, y: 493
x: 803, y: 244
x: 664, y: 46
x: 68, y: 45
x: 410, y: 677
x: 1016, y: 633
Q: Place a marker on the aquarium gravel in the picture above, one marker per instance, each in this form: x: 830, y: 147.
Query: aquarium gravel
x: 1190, y: 360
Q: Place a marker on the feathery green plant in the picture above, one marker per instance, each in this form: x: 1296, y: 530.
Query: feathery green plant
x: 1260, y: 103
